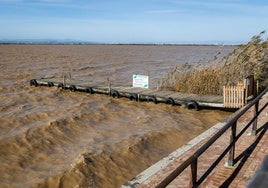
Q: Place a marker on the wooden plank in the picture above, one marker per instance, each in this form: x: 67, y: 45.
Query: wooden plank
x: 133, y: 89
x: 175, y: 95
x: 148, y: 92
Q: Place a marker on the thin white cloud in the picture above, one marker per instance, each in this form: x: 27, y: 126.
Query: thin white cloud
x: 164, y: 11
x: 234, y: 5
x: 54, y: 1
x: 11, y: 1
x: 63, y: 4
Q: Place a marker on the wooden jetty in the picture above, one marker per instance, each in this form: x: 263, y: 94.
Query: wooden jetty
x: 190, y: 101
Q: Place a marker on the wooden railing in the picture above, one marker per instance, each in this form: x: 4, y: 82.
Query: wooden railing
x: 234, y: 96
x: 231, y: 123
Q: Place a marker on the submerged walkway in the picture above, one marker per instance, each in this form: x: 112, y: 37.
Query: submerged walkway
x: 133, y: 93
x: 250, y: 152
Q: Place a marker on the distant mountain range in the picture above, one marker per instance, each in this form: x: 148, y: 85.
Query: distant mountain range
x: 70, y: 41
x: 43, y: 41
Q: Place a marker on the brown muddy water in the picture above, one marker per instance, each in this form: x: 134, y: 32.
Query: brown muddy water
x: 54, y: 138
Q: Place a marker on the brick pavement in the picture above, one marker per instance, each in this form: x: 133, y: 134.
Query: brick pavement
x: 249, y: 154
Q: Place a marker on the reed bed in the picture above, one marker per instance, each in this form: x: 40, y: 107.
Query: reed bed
x: 210, y: 77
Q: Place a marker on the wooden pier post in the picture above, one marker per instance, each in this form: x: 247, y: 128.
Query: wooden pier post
x: 63, y: 80
x: 109, y: 86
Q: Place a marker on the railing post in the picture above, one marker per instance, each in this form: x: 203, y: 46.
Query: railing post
x: 254, y: 127
x: 193, y: 174
x: 232, y: 141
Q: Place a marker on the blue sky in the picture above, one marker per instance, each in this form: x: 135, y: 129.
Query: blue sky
x: 134, y: 21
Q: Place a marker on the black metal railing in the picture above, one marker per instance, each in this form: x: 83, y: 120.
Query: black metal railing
x: 192, y: 161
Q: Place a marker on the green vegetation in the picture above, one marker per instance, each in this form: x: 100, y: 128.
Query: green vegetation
x: 209, y: 78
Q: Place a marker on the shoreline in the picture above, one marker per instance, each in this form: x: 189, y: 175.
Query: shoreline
x: 110, y: 44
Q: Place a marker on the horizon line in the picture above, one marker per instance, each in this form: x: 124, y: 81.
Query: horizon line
x: 73, y: 41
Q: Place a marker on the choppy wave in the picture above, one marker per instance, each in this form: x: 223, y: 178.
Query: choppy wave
x: 54, y: 138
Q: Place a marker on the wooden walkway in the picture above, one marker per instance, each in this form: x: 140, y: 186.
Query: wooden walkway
x: 191, y: 101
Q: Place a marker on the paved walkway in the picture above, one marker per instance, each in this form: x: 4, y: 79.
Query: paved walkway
x: 249, y: 154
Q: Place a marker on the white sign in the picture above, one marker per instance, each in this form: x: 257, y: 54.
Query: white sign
x: 140, y: 81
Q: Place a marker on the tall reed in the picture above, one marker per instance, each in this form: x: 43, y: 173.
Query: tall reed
x: 208, y: 78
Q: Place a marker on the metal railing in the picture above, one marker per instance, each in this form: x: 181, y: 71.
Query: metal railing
x: 231, y: 123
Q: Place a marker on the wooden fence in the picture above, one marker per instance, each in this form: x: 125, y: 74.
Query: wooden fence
x: 234, y: 96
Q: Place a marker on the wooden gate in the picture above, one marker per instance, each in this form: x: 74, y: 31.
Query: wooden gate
x: 234, y: 96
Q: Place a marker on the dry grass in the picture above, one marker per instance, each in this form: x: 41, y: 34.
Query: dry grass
x: 208, y: 78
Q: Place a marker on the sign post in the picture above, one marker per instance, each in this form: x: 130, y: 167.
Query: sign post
x: 140, y: 81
